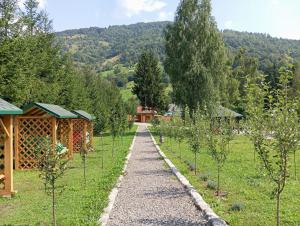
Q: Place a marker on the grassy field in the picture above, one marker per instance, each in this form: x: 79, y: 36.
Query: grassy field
x: 245, y: 181
x: 78, y: 204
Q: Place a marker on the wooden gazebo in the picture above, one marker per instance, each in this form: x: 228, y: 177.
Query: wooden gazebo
x: 82, y: 130
x: 7, y: 113
x: 41, y: 125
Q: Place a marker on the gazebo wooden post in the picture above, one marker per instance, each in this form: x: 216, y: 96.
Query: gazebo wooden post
x: 8, y: 156
x: 84, y: 134
x: 70, y: 144
x: 17, y: 162
x: 54, y: 130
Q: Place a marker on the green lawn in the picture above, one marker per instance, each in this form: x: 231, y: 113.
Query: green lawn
x: 245, y: 182
x: 78, y: 204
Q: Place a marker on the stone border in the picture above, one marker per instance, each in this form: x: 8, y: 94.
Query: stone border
x: 114, y: 192
x: 212, y: 218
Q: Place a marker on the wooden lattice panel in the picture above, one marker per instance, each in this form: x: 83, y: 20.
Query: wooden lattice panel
x: 2, y: 165
x: 78, y: 134
x: 34, y: 135
x: 63, y: 130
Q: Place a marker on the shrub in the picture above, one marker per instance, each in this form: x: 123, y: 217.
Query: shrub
x: 190, y: 165
x: 237, y: 206
x: 212, y: 185
x: 204, y: 176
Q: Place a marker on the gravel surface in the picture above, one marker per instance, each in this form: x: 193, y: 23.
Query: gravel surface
x: 149, y: 193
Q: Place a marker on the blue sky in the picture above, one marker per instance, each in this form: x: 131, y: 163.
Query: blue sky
x: 279, y: 18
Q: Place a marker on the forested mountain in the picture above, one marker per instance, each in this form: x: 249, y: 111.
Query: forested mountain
x: 102, y: 47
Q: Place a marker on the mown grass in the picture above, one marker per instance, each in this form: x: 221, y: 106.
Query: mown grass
x: 245, y: 181
x: 77, y: 204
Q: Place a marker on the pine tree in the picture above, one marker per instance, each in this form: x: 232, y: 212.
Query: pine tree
x: 148, y: 81
x: 8, y: 22
x: 195, y: 55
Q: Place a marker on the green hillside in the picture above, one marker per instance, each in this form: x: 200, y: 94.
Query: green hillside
x: 101, y: 48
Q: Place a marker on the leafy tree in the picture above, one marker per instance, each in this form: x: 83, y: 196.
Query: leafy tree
x: 219, y: 134
x: 116, y: 121
x: 179, y: 131
x: 148, y: 81
x: 274, y: 128
x: 83, y: 154
x: 52, y: 164
x: 195, y: 55
x: 196, y: 135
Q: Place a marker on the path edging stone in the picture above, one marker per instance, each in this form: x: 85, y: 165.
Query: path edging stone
x: 114, y: 192
x: 212, y: 218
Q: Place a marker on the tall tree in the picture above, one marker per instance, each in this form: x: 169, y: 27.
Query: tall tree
x: 148, y: 81
x: 195, y: 55
x: 34, y: 20
x: 8, y: 22
x: 243, y: 67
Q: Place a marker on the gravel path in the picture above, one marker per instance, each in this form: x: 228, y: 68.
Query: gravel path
x: 149, y: 193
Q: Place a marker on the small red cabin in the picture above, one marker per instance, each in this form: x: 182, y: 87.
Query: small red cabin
x: 144, y: 114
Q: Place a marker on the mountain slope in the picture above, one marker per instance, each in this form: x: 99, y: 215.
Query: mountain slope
x: 103, y: 47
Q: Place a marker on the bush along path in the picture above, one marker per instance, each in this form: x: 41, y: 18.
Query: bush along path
x: 150, y: 194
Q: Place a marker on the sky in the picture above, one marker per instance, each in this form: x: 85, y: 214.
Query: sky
x: 279, y: 18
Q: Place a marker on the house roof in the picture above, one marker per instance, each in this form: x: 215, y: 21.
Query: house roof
x: 225, y: 112
x: 84, y: 114
x: 52, y: 109
x: 9, y: 109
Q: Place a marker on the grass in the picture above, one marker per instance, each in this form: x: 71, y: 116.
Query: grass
x: 126, y: 92
x: 245, y: 181
x: 77, y: 205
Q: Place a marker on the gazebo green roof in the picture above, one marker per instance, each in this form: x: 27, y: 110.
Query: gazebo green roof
x: 9, y: 109
x: 52, y: 109
x: 84, y: 114
x: 225, y: 112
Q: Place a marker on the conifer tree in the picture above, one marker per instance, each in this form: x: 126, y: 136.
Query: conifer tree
x: 148, y: 81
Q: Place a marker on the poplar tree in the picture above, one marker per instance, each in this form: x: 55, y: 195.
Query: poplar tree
x: 195, y: 55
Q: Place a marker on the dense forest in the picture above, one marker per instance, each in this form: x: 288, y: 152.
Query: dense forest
x: 102, y: 47
x: 34, y: 68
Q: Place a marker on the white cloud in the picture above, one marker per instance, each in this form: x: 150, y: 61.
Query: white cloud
x: 163, y: 16
x: 42, y: 4
x: 135, y: 7
x: 275, y: 3
x: 228, y: 24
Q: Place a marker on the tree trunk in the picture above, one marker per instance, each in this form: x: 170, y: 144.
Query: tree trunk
x: 53, y: 204
x: 278, y: 209
x: 179, y: 150
x: 218, y: 185
x: 84, y: 168
x: 102, y: 150
x: 195, y: 163
x: 295, y: 165
x: 113, y: 147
